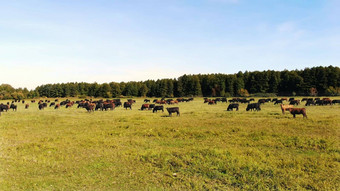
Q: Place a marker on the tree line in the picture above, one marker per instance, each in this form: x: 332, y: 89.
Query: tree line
x: 309, y: 81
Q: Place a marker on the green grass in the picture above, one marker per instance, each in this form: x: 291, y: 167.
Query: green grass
x: 206, y: 148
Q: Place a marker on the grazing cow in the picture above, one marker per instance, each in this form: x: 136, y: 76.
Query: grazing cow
x: 304, y: 99
x: 90, y: 107
x: 14, y: 107
x: 277, y: 102
x: 232, y: 106
x: 23, y: 101
x: 127, y: 105
x: 4, y: 107
x: 335, y: 101
x: 41, y: 106
x: 294, y: 102
x: 158, y: 107
x: 27, y: 106
x: 310, y: 102
x: 154, y: 101
x: 52, y: 104
x: 99, y: 106
x: 212, y: 102
x: 151, y: 106
x: 110, y: 106
x: 285, y: 108
x: 173, y: 110
x: 253, y: 107
x: 70, y: 104
x: 298, y: 111
x: 32, y: 101
x: 146, y: 100
x: 57, y: 106
x: 145, y: 106
x: 262, y: 101
x: 56, y: 100
x: 223, y: 99
x: 319, y: 102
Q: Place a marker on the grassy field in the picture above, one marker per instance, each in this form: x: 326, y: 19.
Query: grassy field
x: 206, y: 148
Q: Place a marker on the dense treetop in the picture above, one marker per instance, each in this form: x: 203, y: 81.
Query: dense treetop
x: 310, y: 81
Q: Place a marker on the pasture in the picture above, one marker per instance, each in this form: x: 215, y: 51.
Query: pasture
x: 205, y: 148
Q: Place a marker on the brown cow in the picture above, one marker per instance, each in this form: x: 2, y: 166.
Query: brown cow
x: 297, y: 111
x: 285, y: 108
x: 144, y: 106
x: 27, y: 106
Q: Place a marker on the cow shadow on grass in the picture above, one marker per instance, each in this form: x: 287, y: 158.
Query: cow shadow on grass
x: 165, y: 116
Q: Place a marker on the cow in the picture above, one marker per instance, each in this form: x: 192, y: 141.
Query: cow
x: 158, y: 107
x: 127, y: 105
x: 99, y: 106
x: 285, y: 107
x: 70, y: 104
x: 298, y: 111
x: 14, y: 107
x: 144, y: 106
x: 335, y: 101
x: 212, y: 102
x: 253, y: 107
x: 52, y: 104
x: 277, y: 102
x: 41, y: 106
x: 294, y: 102
x: 90, y: 107
x: 4, y: 107
x: 232, y: 106
x: 110, y: 106
x: 310, y: 102
x: 27, y: 106
x: 173, y: 110
x: 151, y: 106
x: 57, y: 106
x: 146, y: 100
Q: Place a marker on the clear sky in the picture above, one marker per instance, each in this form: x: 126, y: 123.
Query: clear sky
x: 56, y: 41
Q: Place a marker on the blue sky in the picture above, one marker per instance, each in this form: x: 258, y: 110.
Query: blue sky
x: 45, y: 41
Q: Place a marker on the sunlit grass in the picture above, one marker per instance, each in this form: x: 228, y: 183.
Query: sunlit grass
x: 205, y: 148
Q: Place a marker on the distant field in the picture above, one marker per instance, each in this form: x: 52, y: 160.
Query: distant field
x: 206, y: 148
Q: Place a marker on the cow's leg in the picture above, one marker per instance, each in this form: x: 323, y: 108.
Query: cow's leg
x: 294, y: 115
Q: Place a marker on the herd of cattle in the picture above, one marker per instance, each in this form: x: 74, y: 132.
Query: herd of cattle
x: 234, y: 104
x: 158, y: 104
x: 101, y: 105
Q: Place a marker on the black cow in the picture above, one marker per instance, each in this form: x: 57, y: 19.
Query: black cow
x: 14, y: 107
x: 278, y: 102
x: 99, y: 106
x: 127, y: 105
x: 146, y: 100
x: 253, y: 106
x: 151, y: 106
x: 158, y: 107
x: 294, y: 102
x: 4, y: 107
x: 52, y: 104
x: 232, y: 106
x: 310, y: 102
x: 110, y: 106
x: 262, y: 101
x: 335, y: 101
x: 41, y: 106
x: 173, y: 110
